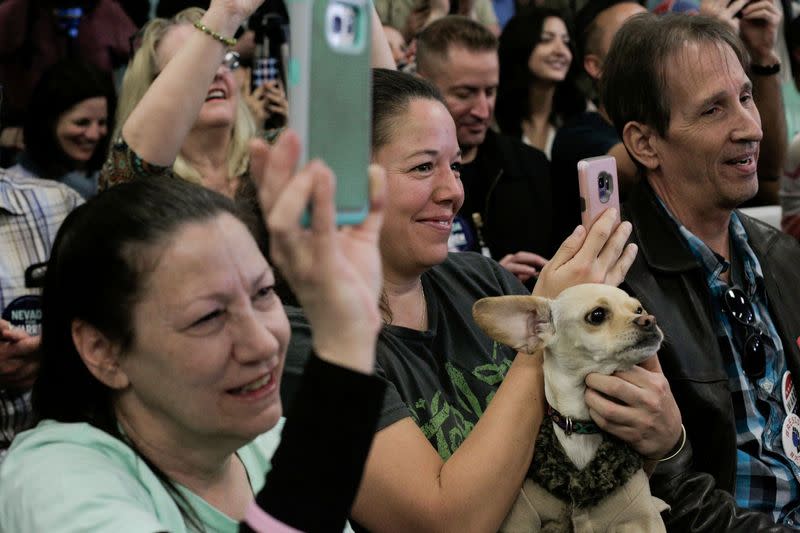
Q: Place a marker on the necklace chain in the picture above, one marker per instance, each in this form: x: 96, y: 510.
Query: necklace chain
x: 423, y: 323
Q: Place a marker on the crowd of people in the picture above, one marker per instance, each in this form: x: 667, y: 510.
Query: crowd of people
x: 180, y: 350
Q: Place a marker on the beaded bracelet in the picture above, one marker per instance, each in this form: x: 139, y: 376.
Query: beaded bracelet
x: 228, y: 41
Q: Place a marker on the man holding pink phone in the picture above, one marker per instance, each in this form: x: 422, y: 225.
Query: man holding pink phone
x: 724, y: 287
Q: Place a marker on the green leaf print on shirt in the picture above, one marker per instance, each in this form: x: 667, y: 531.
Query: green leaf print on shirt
x: 443, y: 423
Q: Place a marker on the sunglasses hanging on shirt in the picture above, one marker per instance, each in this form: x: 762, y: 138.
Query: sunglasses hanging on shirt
x: 753, y: 351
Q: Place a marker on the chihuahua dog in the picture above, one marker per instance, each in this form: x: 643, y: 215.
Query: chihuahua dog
x: 580, y: 479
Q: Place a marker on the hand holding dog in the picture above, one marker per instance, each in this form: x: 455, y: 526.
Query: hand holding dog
x: 636, y: 406
x: 601, y: 256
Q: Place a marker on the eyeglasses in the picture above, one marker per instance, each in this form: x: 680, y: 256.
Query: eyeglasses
x: 231, y: 60
x: 754, y: 359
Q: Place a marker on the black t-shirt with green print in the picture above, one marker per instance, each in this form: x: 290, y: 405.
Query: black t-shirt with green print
x: 445, y: 377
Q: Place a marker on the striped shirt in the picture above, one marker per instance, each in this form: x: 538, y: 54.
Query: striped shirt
x: 766, y: 480
x: 31, y: 211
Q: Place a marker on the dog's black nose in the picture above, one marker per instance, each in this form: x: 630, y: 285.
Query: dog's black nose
x: 645, y: 321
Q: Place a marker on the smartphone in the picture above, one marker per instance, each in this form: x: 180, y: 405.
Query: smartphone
x: 270, y: 37
x: 597, y: 181
x: 329, y: 91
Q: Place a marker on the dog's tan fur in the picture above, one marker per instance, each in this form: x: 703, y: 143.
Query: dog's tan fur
x: 575, y: 343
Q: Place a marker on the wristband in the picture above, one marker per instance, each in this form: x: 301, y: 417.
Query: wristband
x: 227, y: 41
x: 680, y: 447
x: 765, y: 70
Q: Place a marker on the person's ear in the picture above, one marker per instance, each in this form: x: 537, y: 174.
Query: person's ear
x: 641, y: 142
x: 99, y: 354
x: 593, y: 65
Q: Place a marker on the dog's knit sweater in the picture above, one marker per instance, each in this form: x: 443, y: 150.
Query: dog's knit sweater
x: 612, y: 466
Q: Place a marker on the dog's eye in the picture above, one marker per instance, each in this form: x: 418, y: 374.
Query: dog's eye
x: 596, y: 316
x: 639, y: 310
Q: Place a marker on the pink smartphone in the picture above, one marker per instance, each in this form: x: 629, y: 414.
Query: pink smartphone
x: 597, y: 180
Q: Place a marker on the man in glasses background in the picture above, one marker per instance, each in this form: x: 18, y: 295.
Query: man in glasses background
x: 725, y: 288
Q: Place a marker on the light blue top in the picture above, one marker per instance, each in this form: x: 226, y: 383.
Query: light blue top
x: 85, y: 185
x: 75, y: 477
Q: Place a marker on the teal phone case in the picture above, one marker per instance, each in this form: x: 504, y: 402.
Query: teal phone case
x: 329, y: 80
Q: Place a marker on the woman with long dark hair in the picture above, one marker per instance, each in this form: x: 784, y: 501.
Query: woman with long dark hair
x: 536, y: 94
x: 67, y: 130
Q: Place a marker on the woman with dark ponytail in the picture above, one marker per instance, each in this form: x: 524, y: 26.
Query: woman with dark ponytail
x: 163, y: 345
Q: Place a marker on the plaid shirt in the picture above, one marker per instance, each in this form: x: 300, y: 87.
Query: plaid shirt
x: 31, y: 211
x: 766, y: 480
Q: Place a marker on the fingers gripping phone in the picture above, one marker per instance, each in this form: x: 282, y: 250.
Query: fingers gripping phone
x: 597, y: 180
x: 329, y: 80
x: 738, y: 14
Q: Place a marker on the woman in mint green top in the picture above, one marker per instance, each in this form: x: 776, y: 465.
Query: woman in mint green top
x: 163, y: 344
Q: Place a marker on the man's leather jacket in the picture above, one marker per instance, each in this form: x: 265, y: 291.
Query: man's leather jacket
x: 670, y: 284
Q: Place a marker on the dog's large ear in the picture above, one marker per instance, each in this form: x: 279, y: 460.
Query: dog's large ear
x: 522, y: 322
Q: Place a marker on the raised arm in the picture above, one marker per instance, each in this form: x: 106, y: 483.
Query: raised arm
x: 759, y: 29
x: 160, y: 122
x: 336, y: 275
x: 381, y: 53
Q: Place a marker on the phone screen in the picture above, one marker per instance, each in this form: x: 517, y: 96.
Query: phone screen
x: 597, y: 181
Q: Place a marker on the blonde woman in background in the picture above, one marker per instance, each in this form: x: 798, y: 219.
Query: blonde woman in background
x: 186, y: 114
x: 180, y: 105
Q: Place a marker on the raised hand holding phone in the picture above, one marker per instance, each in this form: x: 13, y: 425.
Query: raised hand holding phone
x: 335, y: 272
x: 329, y: 87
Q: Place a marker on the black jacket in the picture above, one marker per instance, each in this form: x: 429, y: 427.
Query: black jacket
x: 670, y: 284
x: 517, y: 215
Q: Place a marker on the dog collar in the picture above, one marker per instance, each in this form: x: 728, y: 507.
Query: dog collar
x: 570, y: 426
